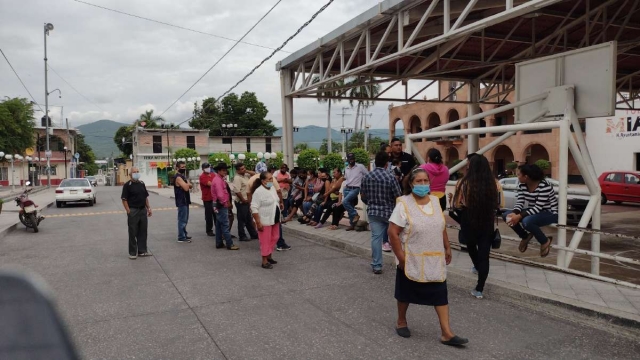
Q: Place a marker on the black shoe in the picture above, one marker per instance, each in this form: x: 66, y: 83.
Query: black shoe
x: 404, y: 332
x: 284, y: 247
x: 267, y: 266
x: 189, y: 238
x: 211, y: 234
x: 185, y: 241
x: 271, y: 261
x: 220, y: 246
x: 254, y: 238
x: 245, y: 239
x: 234, y: 237
x: 377, y: 271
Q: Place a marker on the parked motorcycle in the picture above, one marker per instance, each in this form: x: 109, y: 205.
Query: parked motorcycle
x: 28, y: 213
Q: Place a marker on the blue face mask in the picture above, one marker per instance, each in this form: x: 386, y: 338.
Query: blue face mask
x: 135, y: 176
x: 269, y: 185
x: 421, y: 190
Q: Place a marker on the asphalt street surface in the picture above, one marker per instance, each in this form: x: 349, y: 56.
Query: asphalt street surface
x: 191, y: 301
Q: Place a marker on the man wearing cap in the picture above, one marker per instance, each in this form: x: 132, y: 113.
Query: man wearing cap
x: 205, y: 188
x: 353, y: 175
x: 181, y: 187
x: 222, y: 203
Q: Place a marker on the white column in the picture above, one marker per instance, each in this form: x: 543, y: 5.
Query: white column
x: 472, y: 139
x: 287, y: 117
x: 563, y: 178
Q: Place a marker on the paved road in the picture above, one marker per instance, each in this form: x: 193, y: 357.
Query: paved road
x: 191, y: 301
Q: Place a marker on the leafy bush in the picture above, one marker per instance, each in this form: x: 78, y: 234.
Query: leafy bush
x: 250, y: 161
x: 215, y: 158
x: 543, y: 164
x: 512, y: 165
x: 308, y: 159
x: 362, y: 157
x: 187, y: 153
x: 333, y: 161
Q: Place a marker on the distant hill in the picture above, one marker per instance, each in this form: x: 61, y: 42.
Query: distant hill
x: 99, y: 135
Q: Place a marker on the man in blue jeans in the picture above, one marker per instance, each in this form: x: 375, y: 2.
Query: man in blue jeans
x: 353, y: 175
x: 379, y: 191
x: 222, y: 203
x: 181, y: 187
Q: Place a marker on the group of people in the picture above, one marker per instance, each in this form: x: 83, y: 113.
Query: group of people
x: 406, y: 207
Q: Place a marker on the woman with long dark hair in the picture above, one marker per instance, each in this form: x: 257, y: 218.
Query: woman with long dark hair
x: 536, y: 206
x: 477, y: 198
x: 439, y: 175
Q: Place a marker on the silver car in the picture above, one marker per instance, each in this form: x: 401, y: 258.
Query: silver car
x: 575, y: 203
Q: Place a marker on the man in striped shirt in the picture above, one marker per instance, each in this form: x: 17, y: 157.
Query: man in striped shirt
x: 536, y: 206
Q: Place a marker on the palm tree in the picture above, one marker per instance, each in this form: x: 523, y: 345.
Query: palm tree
x: 325, y: 93
x: 150, y: 120
x: 362, y: 91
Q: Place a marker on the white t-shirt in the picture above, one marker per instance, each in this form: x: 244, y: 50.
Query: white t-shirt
x: 399, y: 215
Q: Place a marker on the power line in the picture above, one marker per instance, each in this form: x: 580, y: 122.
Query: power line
x: 172, y: 25
x: 266, y: 59
x: 18, y: 76
x: 223, y: 56
x: 278, y: 49
x: 74, y: 89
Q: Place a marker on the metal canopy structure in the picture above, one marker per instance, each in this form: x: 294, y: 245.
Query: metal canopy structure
x: 461, y: 40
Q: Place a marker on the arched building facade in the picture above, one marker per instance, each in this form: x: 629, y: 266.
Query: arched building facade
x: 522, y: 148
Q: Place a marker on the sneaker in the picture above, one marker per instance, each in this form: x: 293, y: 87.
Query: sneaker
x: 474, y: 270
x: 377, y: 271
x: 185, y: 241
x: 133, y: 257
x: 386, y: 247
x: 244, y: 239
x: 189, y: 238
x: 211, y: 234
x: 477, y: 294
x: 233, y: 247
x: 284, y: 247
x: 220, y: 246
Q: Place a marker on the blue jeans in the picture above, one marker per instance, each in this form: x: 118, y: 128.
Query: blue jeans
x: 281, y: 242
x: 379, y: 227
x: 222, y: 228
x: 306, y: 206
x: 350, y: 196
x: 183, y: 219
x: 532, y: 224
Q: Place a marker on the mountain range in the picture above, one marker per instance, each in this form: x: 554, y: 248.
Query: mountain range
x: 99, y: 135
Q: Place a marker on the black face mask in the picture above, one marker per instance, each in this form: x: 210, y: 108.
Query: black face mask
x: 182, y: 171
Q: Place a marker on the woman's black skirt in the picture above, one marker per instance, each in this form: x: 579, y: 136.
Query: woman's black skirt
x: 409, y: 291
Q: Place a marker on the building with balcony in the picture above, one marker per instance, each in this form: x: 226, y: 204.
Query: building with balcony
x: 243, y: 144
x: 526, y: 147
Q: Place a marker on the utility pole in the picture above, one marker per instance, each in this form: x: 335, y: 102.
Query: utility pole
x: 342, y: 130
x: 47, y: 28
x: 366, y: 126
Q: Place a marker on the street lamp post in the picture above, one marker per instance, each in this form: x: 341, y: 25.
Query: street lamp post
x: 228, y: 127
x: 47, y: 27
x: 65, y: 162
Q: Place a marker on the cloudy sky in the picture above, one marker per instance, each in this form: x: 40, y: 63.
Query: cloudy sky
x: 124, y: 65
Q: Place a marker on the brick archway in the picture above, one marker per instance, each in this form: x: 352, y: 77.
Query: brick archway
x: 502, y: 155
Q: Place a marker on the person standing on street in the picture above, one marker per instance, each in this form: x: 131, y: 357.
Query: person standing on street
x: 438, y: 174
x: 380, y: 190
x: 222, y: 202
x: 205, y: 188
x: 284, y: 182
x: 407, y: 162
x: 135, y: 200
x: 353, y: 175
x: 181, y: 187
x: 266, y: 208
x: 241, y: 185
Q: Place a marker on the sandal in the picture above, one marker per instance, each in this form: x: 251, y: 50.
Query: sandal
x: 267, y: 266
x: 333, y: 227
x: 546, y: 247
x: 524, y: 243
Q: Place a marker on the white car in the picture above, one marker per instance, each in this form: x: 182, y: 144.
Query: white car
x: 75, y: 190
x: 575, y: 203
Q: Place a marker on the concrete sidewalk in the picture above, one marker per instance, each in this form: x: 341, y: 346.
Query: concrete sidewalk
x: 619, y: 303
x: 9, y: 216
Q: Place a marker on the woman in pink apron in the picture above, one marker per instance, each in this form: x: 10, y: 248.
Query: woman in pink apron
x: 419, y: 240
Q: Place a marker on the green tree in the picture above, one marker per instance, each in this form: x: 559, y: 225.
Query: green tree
x: 87, y: 157
x: 187, y: 153
x: 308, y: 159
x: 215, y: 158
x: 357, y: 142
x: 125, y: 132
x: 543, y: 164
x: 250, y: 161
x: 16, y: 126
x: 246, y: 111
x: 326, y: 93
x: 150, y: 121
x: 336, y: 147
x: 365, y: 92
x: 362, y: 157
x: 300, y: 147
x: 333, y: 161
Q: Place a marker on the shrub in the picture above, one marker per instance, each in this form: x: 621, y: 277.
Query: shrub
x: 333, y: 161
x: 512, y: 165
x: 187, y: 153
x: 215, y: 158
x: 307, y: 159
x: 543, y: 164
x: 362, y: 157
